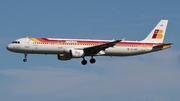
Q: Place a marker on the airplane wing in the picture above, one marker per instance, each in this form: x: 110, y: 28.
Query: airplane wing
x: 96, y: 49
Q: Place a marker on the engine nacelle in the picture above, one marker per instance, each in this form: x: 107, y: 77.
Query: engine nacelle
x: 76, y: 53
x: 64, y: 57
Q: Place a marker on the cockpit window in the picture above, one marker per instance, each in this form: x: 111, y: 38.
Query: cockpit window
x: 16, y: 42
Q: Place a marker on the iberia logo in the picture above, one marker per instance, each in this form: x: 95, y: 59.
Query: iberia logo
x: 158, y: 34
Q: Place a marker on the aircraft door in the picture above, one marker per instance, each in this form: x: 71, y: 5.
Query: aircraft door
x: 27, y: 42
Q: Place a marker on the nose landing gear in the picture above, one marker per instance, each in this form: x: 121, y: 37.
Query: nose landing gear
x: 25, y: 58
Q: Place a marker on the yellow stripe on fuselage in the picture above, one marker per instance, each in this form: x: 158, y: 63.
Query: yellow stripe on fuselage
x: 34, y: 39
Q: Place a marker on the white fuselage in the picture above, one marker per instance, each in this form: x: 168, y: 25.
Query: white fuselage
x: 124, y: 48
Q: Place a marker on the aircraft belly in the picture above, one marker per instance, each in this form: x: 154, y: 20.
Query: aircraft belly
x: 125, y: 51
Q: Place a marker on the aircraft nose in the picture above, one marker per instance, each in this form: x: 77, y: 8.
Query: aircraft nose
x: 9, y: 47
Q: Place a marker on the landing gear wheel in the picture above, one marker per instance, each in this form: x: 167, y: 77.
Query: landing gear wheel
x: 84, y: 62
x: 24, y: 60
x: 92, y: 60
x: 25, y: 57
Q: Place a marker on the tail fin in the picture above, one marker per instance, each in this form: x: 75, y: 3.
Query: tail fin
x: 158, y: 33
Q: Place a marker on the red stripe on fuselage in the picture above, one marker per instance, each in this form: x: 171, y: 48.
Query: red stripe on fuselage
x: 94, y: 42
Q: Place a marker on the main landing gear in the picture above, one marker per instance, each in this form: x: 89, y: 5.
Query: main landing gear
x: 84, y: 62
x: 25, y: 58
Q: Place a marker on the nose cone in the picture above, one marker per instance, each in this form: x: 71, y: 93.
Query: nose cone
x: 9, y: 47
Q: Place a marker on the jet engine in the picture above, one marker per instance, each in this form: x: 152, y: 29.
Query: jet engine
x: 63, y: 57
x: 71, y: 53
x: 76, y: 53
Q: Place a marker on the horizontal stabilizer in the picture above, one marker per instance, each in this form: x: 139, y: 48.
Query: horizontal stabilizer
x: 163, y: 46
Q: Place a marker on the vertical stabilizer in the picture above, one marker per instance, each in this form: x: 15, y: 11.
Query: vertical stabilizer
x: 158, y: 33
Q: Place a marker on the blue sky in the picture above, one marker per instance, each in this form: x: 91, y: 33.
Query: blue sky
x: 150, y: 77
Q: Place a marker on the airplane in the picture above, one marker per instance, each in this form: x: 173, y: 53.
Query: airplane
x: 67, y: 49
